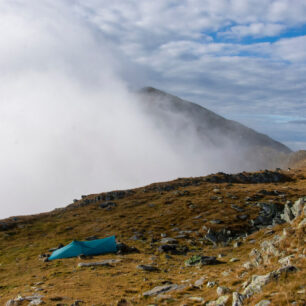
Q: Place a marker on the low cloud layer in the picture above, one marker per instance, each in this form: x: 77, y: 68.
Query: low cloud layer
x: 71, y: 126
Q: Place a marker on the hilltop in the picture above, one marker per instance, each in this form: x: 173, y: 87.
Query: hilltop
x: 195, y: 240
x: 187, y: 124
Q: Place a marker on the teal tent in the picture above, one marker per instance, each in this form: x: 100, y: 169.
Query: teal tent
x: 93, y: 247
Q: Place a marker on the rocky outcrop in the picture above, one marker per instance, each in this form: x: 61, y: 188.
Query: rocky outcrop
x: 293, y: 211
x: 255, y: 284
x: 237, y: 299
x: 249, y: 178
x: 270, y: 214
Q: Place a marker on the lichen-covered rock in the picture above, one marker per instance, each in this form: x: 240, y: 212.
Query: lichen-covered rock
x: 258, y: 281
x: 222, y: 300
x: 162, y: 289
x: 293, y: 211
x: 248, y: 265
x: 286, y: 261
x: 256, y: 257
x: 221, y: 290
x: 168, y: 240
x: 256, y: 284
x: 200, y: 282
x: 237, y: 299
x: 268, y: 247
x: 201, y: 260
x: 211, y: 284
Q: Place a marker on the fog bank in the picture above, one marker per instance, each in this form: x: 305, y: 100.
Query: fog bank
x: 69, y: 124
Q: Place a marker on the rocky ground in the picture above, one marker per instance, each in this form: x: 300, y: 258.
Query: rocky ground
x: 216, y: 240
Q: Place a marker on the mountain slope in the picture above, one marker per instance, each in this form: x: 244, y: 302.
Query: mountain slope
x: 222, y: 214
x: 205, y: 122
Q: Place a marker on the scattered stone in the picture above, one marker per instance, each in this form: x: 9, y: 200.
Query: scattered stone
x: 123, y: 249
x: 285, y: 270
x: 148, y: 268
x: 248, y: 265
x: 77, y: 303
x: 243, y: 217
x: 269, y: 249
x: 302, y: 223
x: 286, y: 261
x: 270, y: 214
x: 136, y: 237
x: 211, y: 284
x: 196, y: 299
x: 256, y: 284
x: 226, y: 273
x: 237, y: 244
x: 108, y: 205
x: 34, y: 300
x: 293, y: 211
x: 222, y: 300
x: 168, y: 240
x: 200, y: 282
x: 167, y: 248
x: 256, y: 257
x: 213, y: 198
x: 199, y: 260
x: 258, y: 281
x: 56, y: 299
x: 162, y: 289
x: 222, y: 290
x: 237, y: 299
x: 104, y: 263
x: 222, y: 236
x: 263, y: 303
x: 234, y: 259
x: 123, y: 302
x: 216, y: 221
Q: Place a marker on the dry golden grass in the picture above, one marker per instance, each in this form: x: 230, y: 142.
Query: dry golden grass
x: 21, y: 270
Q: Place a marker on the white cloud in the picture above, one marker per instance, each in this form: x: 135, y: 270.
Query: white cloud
x: 291, y: 49
x: 254, y: 29
x: 61, y: 62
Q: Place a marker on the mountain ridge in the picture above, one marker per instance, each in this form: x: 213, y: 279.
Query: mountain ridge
x: 214, y: 119
x: 167, y: 226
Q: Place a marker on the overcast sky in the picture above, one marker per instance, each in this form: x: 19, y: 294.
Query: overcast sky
x: 68, y: 121
x: 243, y: 59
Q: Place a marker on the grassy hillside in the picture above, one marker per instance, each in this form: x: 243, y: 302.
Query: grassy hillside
x: 186, y: 209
